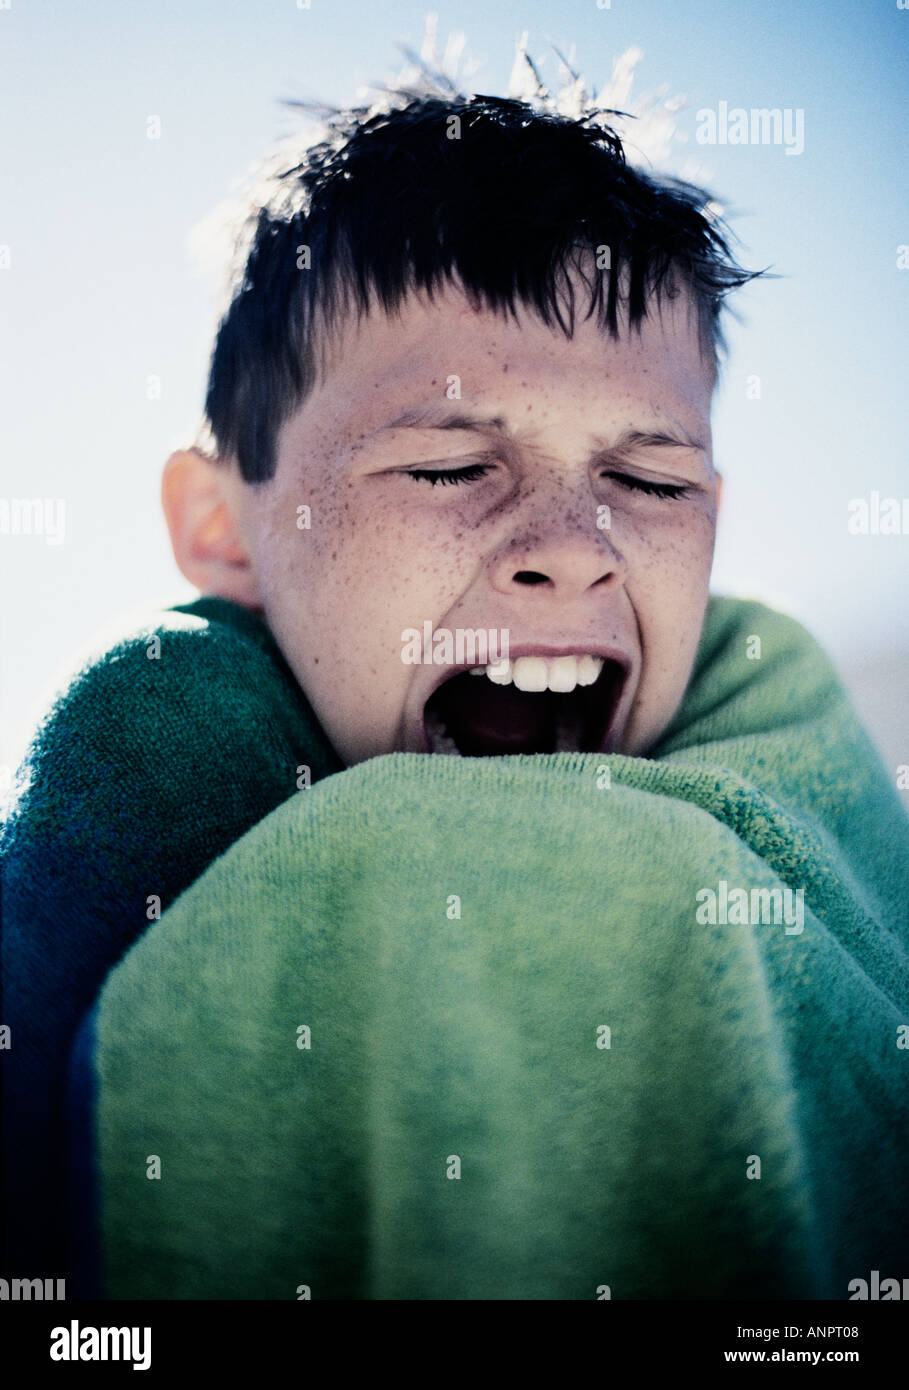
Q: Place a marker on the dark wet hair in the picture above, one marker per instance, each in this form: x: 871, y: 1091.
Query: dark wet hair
x: 484, y: 192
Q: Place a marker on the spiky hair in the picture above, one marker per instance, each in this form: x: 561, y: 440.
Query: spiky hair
x: 494, y: 195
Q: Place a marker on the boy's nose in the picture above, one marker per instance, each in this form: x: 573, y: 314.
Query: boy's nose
x: 563, y: 552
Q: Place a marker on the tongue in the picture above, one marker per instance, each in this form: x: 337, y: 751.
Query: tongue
x: 486, y: 719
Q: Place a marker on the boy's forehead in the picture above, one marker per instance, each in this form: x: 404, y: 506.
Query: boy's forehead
x: 445, y: 363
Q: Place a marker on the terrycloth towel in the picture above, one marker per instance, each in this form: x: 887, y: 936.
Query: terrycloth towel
x: 154, y: 759
x: 496, y: 1028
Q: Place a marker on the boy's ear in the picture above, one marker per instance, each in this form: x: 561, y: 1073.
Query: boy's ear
x: 199, y: 496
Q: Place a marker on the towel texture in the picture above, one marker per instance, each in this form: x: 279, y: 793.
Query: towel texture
x: 158, y: 754
x: 532, y: 1027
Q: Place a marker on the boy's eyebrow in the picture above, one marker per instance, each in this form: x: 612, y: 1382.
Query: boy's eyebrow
x: 427, y: 418
x: 652, y: 439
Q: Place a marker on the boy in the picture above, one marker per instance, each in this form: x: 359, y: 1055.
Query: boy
x: 458, y: 462
x: 464, y: 384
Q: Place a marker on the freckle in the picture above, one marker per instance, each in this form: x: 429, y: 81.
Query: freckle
x: 504, y: 366
x: 315, y: 660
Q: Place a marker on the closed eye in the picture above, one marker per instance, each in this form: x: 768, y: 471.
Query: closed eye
x: 470, y: 474
x: 671, y: 490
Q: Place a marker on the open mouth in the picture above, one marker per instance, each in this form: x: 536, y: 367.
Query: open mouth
x: 489, y: 711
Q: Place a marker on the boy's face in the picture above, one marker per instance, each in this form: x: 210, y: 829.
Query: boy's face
x: 550, y: 431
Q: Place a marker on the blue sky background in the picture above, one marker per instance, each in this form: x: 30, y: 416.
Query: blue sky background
x: 102, y: 289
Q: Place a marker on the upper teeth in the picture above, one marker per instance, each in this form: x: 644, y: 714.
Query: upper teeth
x: 558, y: 673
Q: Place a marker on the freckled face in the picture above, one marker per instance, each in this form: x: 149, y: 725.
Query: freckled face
x: 545, y: 433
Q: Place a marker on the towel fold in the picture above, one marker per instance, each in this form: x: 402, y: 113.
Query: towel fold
x: 157, y: 754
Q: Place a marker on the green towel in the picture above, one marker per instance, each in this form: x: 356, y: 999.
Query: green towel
x: 443, y: 1028
x: 154, y: 758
